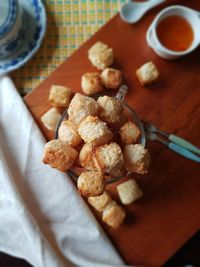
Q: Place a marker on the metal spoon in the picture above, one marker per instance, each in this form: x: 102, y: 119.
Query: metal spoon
x: 172, y: 137
x: 132, y: 12
x: 174, y: 147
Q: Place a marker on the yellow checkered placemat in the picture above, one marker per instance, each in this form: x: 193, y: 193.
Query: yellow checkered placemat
x: 70, y: 23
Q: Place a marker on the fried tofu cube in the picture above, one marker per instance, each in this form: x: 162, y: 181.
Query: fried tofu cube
x: 91, y: 83
x: 129, y: 133
x: 129, y: 191
x: 113, y: 214
x: 137, y: 158
x: 107, y: 157
x: 111, y: 109
x: 147, y: 73
x: 93, y: 130
x: 80, y: 107
x: 60, y: 96
x: 86, y: 157
x: 50, y: 119
x: 68, y: 132
x: 100, y: 55
x: 91, y: 183
x: 59, y: 155
x: 111, y: 78
x: 100, y: 202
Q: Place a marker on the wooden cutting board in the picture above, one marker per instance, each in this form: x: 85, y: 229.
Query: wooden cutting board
x: 169, y: 213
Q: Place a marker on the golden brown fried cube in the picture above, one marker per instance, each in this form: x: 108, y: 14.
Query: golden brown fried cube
x: 100, y: 202
x: 129, y: 191
x: 60, y: 96
x: 50, y: 119
x: 137, y: 158
x: 86, y: 157
x: 59, y: 155
x: 91, y: 183
x: 80, y: 107
x: 147, y: 73
x: 91, y: 83
x: 108, y: 157
x: 93, y: 130
x: 111, y: 109
x: 129, y: 133
x: 113, y: 214
x: 68, y: 132
x: 111, y: 78
x: 100, y: 55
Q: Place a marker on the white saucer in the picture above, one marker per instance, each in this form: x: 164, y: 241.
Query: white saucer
x: 35, y: 31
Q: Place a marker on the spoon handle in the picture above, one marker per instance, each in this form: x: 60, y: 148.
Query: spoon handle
x: 152, y: 3
x: 184, y: 152
x: 182, y: 142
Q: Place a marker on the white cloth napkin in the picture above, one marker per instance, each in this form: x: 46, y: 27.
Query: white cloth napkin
x: 42, y: 217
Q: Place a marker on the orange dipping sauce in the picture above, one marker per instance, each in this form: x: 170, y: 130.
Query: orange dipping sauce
x: 175, y: 33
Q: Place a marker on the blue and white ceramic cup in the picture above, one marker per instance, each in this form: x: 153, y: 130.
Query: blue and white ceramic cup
x: 12, y: 27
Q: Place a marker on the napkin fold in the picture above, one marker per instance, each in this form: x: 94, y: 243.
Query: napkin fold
x: 42, y: 217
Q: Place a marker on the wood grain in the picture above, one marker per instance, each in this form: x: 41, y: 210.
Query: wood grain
x: 168, y: 214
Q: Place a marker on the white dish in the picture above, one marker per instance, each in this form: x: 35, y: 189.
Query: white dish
x: 35, y: 19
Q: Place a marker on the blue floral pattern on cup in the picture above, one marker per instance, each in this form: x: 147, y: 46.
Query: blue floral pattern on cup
x: 34, y: 33
x: 10, y: 41
x: 10, y: 19
x: 13, y: 43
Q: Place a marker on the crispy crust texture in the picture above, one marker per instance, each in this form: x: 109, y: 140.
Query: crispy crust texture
x: 91, y: 183
x: 100, y: 202
x: 113, y: 214
x: 100, y: 55
x: 86, y: 157
x: 137, y: 158
x: 129, y: 191
x: 82, y: 106
x: 147, y: 73
x: 60, y: 96
x: 50, y: 119
x: 111, y: 109
x: 59, y: 155
x: 93, y: 130
x: 129, y: 133
x: 91, y: 83
x: 68, y: 133
x: 111, y: 78
x: 108, y: 157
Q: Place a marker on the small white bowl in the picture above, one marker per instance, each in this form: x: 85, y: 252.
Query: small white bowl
x: 192, y: 16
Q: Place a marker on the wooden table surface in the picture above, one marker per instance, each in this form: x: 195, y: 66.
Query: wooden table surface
x: 169, y: 213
